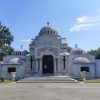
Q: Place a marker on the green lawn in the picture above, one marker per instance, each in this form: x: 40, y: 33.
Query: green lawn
x: 92, y: 81
x: 7, y: 81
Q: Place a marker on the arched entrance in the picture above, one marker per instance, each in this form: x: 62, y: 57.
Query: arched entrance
x: 47, y: 64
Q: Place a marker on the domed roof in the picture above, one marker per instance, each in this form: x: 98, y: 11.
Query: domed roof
x: 16, y: 61
x: 20, y: 51
x: 65, y: 53
x: 76, y: 51
x: 28, y: 55
x: 81, y: 60
x: 47, y: 30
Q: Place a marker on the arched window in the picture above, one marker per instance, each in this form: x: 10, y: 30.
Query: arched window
x: 51, y: 32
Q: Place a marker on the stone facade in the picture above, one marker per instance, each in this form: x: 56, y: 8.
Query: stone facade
x: 48, y: 55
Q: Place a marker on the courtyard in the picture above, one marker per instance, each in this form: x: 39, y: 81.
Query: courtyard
x: 50, y: 91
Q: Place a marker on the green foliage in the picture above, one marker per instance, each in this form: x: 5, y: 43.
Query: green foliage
x: 5, y: 41
x: 7, y: 81
x: 92, y: 81
x: 92, y: 52
x: 2, y: 79
x: 96, y: 53
x: 69, y: 48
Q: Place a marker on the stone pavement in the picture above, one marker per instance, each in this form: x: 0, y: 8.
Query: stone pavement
x: 50, y: 91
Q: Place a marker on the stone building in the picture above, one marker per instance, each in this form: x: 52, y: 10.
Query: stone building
x: 48, y: 55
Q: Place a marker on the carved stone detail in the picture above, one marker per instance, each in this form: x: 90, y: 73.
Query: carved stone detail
x: 47, y: 49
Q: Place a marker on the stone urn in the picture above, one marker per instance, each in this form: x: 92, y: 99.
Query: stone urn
x: 13, y: 74
x: 83, y: 75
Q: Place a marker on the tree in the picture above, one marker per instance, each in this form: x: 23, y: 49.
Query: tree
x: 6, y: 39
x: 92, y: 52
x: 96, y: 53
x: 69, y: 48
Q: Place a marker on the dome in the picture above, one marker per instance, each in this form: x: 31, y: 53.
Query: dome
x: 20, y: 51
x: 47, y: 30
x: 81, y: 60
x: 28, y: 55
x: 16, y: 61
x: 65, y: 53
x: 76, y: 51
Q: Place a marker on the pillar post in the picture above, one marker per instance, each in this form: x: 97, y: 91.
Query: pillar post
x: 59, y: 65
x: 54, y: 66
x: 40, y: 70
x: 36, y: 65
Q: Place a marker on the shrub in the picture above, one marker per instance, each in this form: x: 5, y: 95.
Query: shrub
x: 2, y: 79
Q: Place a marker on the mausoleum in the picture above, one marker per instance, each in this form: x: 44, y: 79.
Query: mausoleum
x: 48, y: 55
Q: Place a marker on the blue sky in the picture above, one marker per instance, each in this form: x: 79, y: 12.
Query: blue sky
x: 77, y: 20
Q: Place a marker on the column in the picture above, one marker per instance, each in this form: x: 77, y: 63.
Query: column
x: 40, y: 71
x: 59, y: 65
x: 54, y: 66
x: 36, y: 65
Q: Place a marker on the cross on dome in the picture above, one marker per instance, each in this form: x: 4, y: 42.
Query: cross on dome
x: 75, y: 45
x: 21, y: 46
x: 48, y: 23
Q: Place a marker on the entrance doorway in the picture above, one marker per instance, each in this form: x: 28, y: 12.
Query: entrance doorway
x: 47, y: 64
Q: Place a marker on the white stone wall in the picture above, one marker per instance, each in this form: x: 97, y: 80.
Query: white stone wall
x: 43, y: 40
x: 20, y: 70
x: 6, y: 59
x: 47, y: 39
x: 75, y: 70
x: 97, y: 68
x: 66, y: 70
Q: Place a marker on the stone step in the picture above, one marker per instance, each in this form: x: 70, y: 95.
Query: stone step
x: 52, y: 79
x: 48, y: 82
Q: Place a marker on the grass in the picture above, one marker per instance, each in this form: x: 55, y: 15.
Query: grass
x: 92, y: 81
x: 89, y: 80
x: 7, y: 81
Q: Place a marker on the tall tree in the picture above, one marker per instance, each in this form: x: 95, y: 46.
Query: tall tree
x: 92, y: 52
x: 96, y: 53
x: 6, y: 39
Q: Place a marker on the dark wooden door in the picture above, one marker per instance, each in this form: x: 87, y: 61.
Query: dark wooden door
x: 47, y: 64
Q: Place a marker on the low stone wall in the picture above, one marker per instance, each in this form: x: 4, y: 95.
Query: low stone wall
x: 20, y: 71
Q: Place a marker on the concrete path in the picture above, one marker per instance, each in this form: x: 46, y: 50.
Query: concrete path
x: 50, y: 91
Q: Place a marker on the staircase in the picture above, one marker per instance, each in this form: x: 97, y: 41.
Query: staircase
x: 48, y: 79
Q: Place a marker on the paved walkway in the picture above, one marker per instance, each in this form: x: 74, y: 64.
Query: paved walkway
x: 50, y: 91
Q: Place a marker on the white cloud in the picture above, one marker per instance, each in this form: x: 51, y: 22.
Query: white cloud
x: 26, y: 41
x: 83, y: 19
x: 85, y: 23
